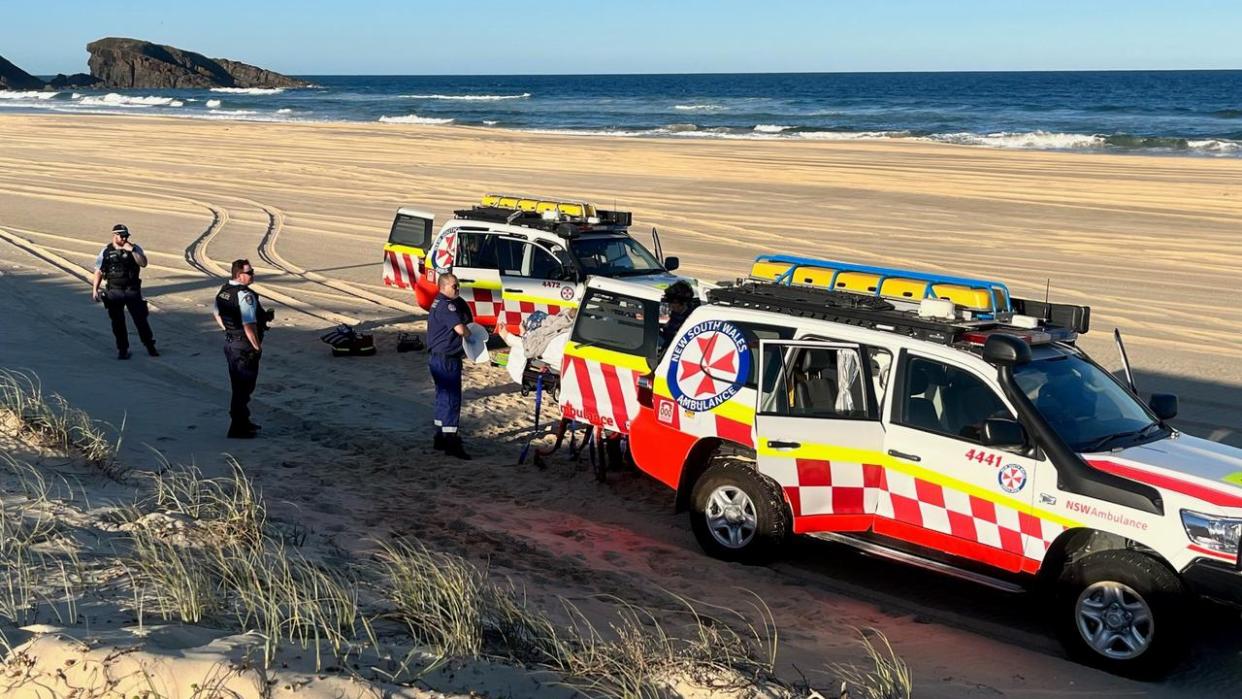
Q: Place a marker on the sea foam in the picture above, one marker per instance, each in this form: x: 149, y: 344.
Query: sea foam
x: 213, y: 104
x: 470, y: 98
x: 26, y: 95
x: 414, y: 119
x: 249, y: 90
x: 113, y: 99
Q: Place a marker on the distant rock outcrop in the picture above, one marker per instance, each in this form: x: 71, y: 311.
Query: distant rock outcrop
x: 133, y: 63
x: 14, y: 78
x: 80, y: 80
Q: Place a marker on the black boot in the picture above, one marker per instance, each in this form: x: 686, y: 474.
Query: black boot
x: 122, y: 354
x: 241, y: 431
x: 453, y: 447
x: 437, y: 442
x: 152, y: 351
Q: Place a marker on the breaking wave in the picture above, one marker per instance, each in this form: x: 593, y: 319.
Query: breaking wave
x: 26, y: 95
x: 414, y: 119
x: 249, y: 90
x: 471, y: 98
x: 213, y: 104
x: 699, y: 107
x: 113, y: 99
x: 771, y: 128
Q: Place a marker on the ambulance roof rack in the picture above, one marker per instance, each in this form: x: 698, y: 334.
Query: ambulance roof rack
x: 563, y: 217
x: 874, y: 313
x: 985, y: 298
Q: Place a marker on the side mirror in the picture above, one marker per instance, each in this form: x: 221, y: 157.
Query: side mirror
x: 1164, y: 405
x: 671, y: 263
x: 1003, y: 432
x: 1005, y: 350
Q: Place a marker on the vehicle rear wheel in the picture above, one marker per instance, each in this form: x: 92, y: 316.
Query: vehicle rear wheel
x: 738, y: 514
x: 1122, y: 611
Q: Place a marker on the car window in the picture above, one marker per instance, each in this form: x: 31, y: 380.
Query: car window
x: 543, y: 265
x: 411, y: 231
x: 614, y: 256
x: 811, y: 381
x: 947, y: 400
x: 617, y: 322
x: 477, y: 250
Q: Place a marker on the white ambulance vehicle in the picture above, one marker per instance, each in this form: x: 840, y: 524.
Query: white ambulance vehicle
x: 936, y: 421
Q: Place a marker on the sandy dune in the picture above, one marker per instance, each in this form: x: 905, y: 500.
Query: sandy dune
x: 1150, y: 243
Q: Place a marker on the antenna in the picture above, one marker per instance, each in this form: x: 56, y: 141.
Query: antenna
x: 1047, y: 296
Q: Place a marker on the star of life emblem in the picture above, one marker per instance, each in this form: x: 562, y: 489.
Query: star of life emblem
x: 443, y: 251
x: 1012, y: 478
x: 708, y: 365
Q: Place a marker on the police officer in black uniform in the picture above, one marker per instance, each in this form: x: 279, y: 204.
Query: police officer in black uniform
x: 118, y: 264
x: 681, y: 301
x: 241, y: 316
x: 446, y: 326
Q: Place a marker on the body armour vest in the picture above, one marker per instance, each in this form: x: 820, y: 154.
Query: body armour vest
x: 120, y: 268
x: 229, y: 308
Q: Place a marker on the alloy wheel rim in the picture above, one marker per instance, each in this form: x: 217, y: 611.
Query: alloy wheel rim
x: 731, y: 517
x: 1114, y: 620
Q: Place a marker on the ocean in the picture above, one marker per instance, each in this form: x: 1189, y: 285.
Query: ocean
x: 1195, y: 113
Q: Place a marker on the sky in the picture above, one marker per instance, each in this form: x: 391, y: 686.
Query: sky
x: 487, y: 37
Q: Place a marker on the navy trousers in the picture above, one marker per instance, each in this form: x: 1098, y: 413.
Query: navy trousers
x: 117, y: 301
x: 446, y: 373
x: 243, y: 375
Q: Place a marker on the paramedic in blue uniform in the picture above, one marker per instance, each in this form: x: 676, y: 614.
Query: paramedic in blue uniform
x: 240, y: 314
x: 118, y: 265
x: 446, y: 326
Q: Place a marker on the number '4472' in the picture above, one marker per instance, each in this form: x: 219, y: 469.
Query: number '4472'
x: 983, y: 457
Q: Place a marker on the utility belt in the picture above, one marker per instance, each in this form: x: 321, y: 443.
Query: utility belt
x: 236, y: 337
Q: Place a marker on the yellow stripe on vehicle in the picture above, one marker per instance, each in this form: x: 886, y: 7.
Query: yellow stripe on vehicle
x: 558, y: 301
x: 826, y: 452
x: 735, y: 410
x: 483, y: 284
x: 607, y: 356
x: 417, y: 252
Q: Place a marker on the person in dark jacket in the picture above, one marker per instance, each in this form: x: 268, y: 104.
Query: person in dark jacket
x: 241, y: 316
x: 117, y: 267
x: 446, y: 326
x: 681, y: 301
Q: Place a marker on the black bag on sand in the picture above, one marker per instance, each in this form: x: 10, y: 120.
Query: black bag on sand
x: 409, y: 342
x: 346, y: 342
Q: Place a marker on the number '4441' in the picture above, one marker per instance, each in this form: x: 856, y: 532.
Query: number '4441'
x: 983, y: 457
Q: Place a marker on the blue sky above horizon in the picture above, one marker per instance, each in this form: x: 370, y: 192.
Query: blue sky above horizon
x: 488, y: 37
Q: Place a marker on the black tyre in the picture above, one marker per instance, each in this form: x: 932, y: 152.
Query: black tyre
x: 738, y: 514
x: 1122, y: 611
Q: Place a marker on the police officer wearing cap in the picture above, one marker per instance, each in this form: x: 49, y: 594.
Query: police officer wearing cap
x: 446, y: 326
x: 118, y: 264
x: 241, y: 316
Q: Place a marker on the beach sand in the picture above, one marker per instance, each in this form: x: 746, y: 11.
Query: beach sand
x: 1150, y: 243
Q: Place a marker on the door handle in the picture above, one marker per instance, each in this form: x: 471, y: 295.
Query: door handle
x: 463, y: 280
x: 901, y: 455
x: 783, y: 445
x: 513, y: 291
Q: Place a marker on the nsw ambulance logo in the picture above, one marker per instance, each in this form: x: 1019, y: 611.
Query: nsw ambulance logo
x: 443, y: 250
x: 1012, y: 478
x: 709, y: 365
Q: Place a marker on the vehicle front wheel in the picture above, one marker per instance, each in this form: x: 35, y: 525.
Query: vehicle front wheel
x: 1122, y: 611
x: 738, y: 514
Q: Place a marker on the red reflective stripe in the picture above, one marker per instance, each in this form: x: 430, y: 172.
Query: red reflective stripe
x: 952, y: 545
x: 1214, y: 554
x: 832, y: 523
x: 586, y: 392
x: 733, y: 431
x: 1177, y: 485
x: 390, y: 258
x: 612, y: 383
x: 411, y: 269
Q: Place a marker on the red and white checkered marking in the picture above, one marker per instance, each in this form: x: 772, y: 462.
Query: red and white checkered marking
x: 485, y: 304
x: 516, y: 312
x: 842, y: 488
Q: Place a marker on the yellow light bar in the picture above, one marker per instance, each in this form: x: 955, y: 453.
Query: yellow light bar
x: 570, y: 209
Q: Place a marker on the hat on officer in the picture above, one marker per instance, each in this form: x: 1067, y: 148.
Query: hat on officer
x: 120, y: 229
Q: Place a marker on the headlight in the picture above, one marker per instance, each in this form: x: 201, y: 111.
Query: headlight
x: 1215, y: 533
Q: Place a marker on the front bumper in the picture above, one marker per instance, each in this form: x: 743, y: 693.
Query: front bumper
x: 1216, y: 580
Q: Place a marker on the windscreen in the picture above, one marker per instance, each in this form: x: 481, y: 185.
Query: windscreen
x: 1083, y: 403
x: 610, y: 256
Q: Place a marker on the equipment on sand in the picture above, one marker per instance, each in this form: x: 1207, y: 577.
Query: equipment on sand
x: 347, y: 342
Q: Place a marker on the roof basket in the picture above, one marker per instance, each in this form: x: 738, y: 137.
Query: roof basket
x: 984, y: 298
x: 566, y: 211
